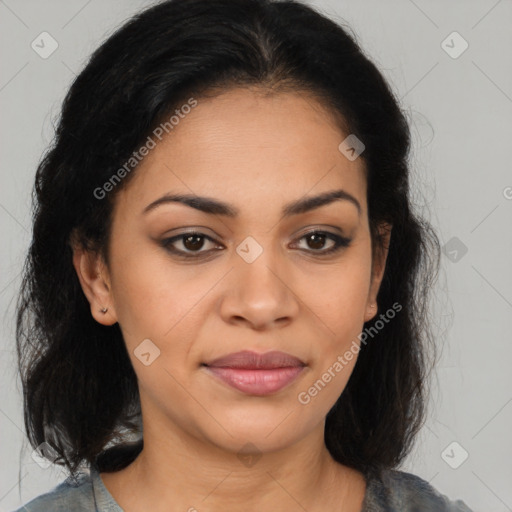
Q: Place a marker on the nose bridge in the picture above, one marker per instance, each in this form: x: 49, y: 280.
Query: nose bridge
x: 259, y: 268
x: 259, y: 288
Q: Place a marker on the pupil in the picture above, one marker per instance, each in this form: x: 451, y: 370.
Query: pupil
x: 193, y: 246
x: 319, y: 243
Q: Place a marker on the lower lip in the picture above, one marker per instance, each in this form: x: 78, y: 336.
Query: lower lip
x: 257, y: 382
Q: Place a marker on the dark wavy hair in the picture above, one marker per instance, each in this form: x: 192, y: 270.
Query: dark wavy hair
x: 79, y: 388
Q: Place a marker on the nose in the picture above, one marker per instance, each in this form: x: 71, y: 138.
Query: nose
x: 261, y: 293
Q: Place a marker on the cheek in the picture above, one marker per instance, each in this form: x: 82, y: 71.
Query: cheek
x: 340, y: 306
x: 340, y: 301
x: 157, y: 300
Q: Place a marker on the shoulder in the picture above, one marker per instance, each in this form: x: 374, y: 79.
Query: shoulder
x: 76, y: 491
x: 398, y: 490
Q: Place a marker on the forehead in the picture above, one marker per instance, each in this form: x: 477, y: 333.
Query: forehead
x: 244, y: 144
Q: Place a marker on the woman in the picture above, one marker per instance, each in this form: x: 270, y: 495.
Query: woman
x: 224, y: 301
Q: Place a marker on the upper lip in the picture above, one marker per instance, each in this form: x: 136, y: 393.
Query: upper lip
x: 253, y: 361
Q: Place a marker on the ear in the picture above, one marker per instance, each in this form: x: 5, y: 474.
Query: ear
x: 95, y: 281
x: 379, y: 258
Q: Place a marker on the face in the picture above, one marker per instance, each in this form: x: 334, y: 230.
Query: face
x: 266, y: 277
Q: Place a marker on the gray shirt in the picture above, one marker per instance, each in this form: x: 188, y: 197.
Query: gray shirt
x: 391, y: 491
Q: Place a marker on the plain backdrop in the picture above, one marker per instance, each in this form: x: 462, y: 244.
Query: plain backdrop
x: 450, y: 64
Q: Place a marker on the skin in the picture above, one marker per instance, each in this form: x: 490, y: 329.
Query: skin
x: 257, y: 152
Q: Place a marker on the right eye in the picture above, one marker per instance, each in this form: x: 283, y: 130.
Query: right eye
x: 192, y: 242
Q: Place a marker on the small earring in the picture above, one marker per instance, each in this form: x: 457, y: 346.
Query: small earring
x: 104, y: 310
x: 372, y: 306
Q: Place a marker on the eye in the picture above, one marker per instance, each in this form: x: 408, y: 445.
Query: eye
x: 192, y: 242
x: 315, y: 240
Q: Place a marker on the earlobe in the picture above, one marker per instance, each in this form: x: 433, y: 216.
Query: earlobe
x: 91, y: 270
x: 371, y: 311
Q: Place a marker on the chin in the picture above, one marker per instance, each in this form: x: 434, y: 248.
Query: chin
x: 270, y: 432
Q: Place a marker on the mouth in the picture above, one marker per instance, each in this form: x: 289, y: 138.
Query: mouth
x: 256, y: 374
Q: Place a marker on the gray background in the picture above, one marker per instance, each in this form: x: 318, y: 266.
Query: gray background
x: 460, y: 111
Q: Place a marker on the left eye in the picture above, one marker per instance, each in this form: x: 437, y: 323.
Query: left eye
x: 193, y: 242
x: 318, y: 238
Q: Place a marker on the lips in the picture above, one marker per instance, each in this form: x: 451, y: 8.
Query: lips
x: 256, y: 374
x: 249, y: 360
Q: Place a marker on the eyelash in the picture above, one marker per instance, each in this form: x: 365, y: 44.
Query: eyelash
x: 339, y: 243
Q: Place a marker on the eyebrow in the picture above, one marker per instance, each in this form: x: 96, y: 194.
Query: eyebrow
x: 215, y: 207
